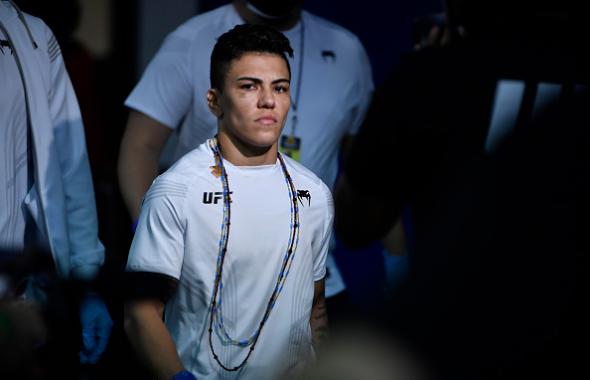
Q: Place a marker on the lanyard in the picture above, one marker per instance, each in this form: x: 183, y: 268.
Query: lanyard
x: 295, y: 101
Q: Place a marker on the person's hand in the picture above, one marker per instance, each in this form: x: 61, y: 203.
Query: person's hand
x: 96, y: 328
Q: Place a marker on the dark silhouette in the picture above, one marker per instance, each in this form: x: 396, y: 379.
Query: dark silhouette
x: 494, y: 289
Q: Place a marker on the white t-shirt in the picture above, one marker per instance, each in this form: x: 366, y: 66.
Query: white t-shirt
x: 336, y: 88
x: 13, y: 149
x: 178, y: 235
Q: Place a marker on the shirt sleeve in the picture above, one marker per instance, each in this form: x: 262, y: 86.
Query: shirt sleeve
x: 323, y: 246
x: 158, y: 244
x: 165, y: 90
x: 148, y: 285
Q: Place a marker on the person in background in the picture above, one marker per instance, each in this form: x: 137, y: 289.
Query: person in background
x: 245, y: 300
x: 331, y: 89
x: 483, y: 132
x: 46, y: 193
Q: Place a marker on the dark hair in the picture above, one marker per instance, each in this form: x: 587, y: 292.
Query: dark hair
x: 246, y: 38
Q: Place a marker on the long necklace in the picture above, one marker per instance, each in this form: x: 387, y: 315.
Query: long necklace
x: 216, y: 317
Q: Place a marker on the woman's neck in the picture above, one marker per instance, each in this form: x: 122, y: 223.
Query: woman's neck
x: 240, y: 154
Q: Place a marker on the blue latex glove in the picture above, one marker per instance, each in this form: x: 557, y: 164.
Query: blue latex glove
x: 96, y: 328
x: 184, y: 375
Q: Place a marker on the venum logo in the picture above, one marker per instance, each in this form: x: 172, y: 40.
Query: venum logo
x: 5, y: 44
x: 329, y: 56
x: 213, y: 197
x: 304, y: 194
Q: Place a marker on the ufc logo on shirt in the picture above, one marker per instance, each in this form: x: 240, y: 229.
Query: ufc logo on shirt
x: 213, y: 197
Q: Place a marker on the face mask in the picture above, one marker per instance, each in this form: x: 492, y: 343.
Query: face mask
x: 272, y: 8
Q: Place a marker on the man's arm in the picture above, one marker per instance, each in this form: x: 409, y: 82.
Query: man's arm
x: 141, y: 146
x: 150, y: 337
x: 86, y: 252
x: 74, y: 176
x: 319, y: 314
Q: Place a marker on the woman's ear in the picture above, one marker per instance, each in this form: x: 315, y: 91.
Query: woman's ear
x: 213, y: 103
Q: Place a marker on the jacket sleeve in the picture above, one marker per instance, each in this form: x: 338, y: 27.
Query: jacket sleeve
x: 86, y: 251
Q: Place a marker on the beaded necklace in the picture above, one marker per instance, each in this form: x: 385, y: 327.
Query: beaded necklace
x: 216, y: 317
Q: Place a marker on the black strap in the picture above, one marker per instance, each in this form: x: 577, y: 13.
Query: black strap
x: 144, y: 285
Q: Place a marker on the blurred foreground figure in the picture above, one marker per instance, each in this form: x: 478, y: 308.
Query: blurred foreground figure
x: 46, y: 193
x: 22, y: 331
x: 486, y: 139
x: 357, y: 351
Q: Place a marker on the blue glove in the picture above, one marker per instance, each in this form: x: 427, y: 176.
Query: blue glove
x: 184, y: 375
x: 96, y: 328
